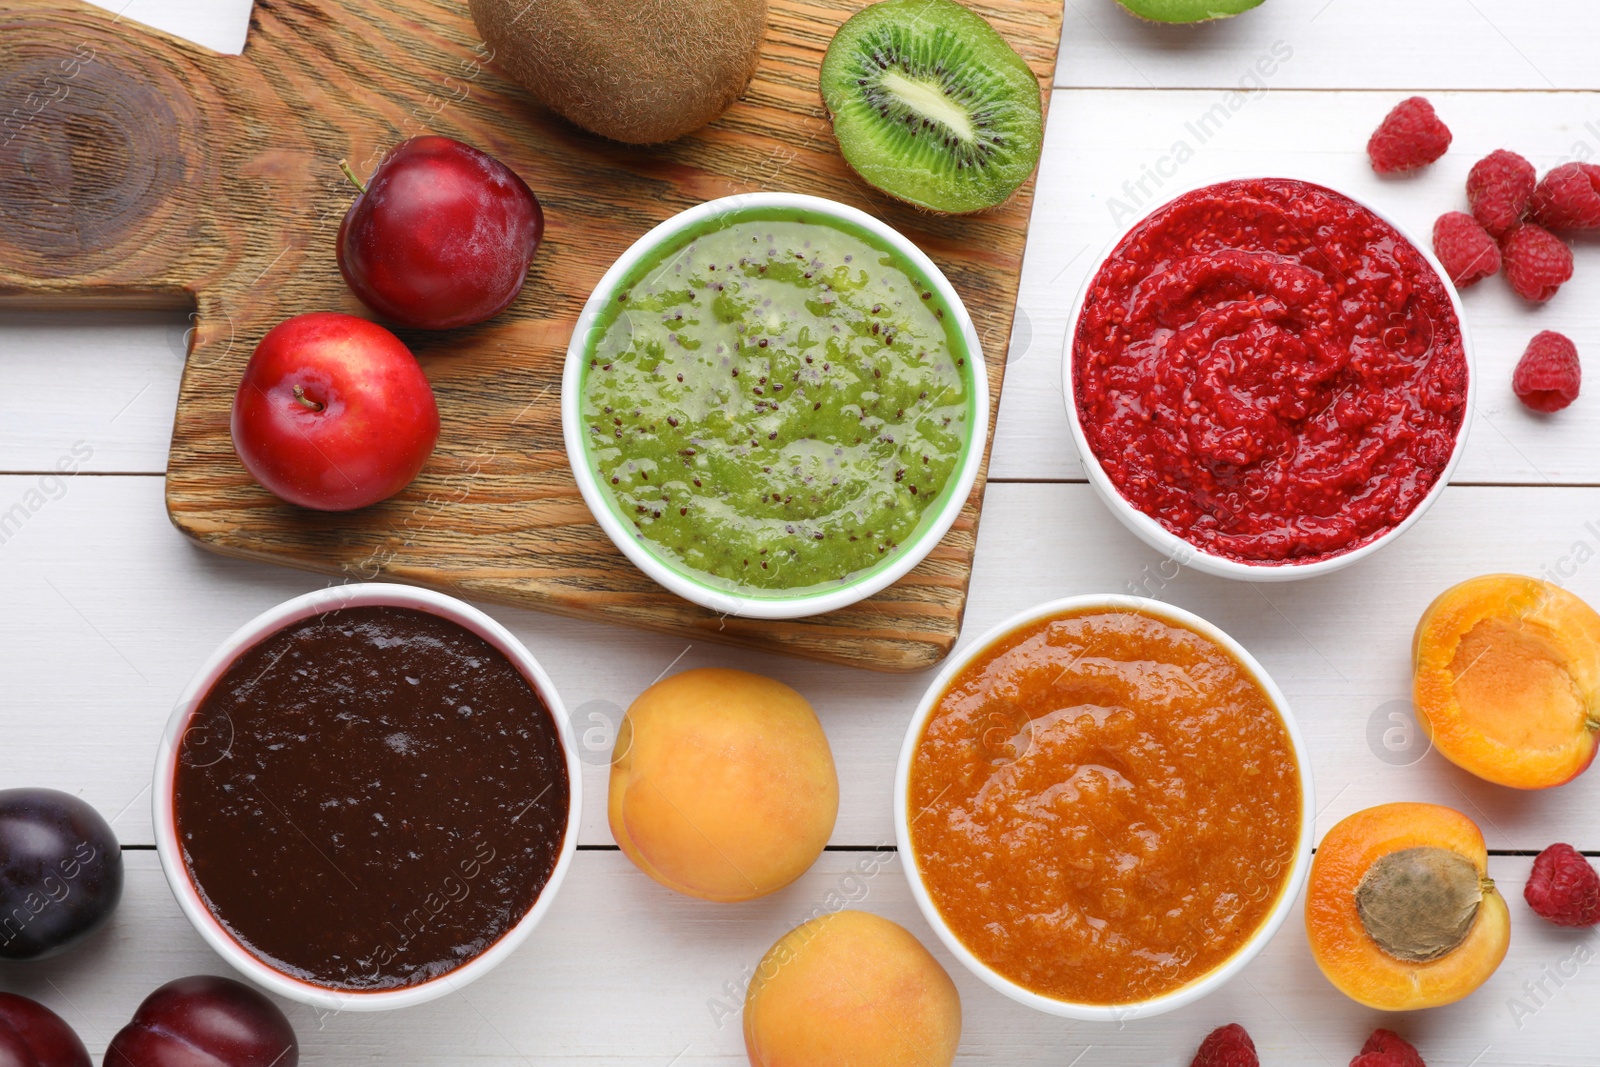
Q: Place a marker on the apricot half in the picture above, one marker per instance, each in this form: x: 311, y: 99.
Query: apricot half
x: 1400, y: 910
x: 722, y: 786
x: 1507, y: 679
x: 851, y: 990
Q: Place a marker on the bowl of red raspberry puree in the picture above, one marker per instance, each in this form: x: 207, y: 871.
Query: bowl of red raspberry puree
x: 1268, y: 379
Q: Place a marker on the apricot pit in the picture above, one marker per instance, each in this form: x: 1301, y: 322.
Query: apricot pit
x: 1419, y: 903
x: 1400, y: 910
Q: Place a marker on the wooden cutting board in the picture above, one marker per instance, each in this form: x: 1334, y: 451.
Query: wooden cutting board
x: 138, y: 170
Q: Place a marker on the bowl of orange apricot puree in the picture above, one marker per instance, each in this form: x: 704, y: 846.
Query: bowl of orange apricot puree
x: 1105, y: 807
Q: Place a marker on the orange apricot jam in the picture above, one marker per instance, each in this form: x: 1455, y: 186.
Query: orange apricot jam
x: 1104, y: 806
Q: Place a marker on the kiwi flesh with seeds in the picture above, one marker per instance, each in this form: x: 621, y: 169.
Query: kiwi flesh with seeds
x: 637, y: 71
x: 1187, y: 10
x: 931, y: 105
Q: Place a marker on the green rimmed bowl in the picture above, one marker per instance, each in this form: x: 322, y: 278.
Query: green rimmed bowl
x: 662, y: 563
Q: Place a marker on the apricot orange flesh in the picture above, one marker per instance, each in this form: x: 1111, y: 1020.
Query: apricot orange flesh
x: 1507, y: 679
x: 722, y: 785
x: 1400, y: 910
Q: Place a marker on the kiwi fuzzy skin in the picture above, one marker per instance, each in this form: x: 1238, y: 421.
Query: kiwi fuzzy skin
x: 636, y: 71
x: 1187, y: 11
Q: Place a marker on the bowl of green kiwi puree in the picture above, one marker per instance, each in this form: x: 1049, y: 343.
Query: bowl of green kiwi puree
x: 778, y: 405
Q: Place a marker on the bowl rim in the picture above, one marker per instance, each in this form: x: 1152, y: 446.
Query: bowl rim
x: 1185, y: 552
x: 324, y: 601
x: 1208, y: 983
x: 771, y: 604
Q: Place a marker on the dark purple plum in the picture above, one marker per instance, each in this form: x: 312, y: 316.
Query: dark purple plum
x: 60, y: 872
x: 205, y: 1021
x: 31, y: 1035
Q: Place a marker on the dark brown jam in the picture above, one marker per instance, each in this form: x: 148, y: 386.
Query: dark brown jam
x: 371, y: 798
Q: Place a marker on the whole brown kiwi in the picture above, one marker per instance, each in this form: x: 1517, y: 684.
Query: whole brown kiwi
x: 638, y: 71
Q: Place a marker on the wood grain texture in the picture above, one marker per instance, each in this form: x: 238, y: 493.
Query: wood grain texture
x: 143, y: 171
x: 78, y: 372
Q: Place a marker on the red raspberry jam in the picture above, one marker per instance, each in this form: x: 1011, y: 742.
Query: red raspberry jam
x: 1270, y: 371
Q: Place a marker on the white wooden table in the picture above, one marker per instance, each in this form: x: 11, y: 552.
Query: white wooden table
x: 107, y: 611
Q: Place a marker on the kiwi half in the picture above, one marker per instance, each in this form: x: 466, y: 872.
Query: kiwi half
x: 1187, y: 10
x: 931, y: 105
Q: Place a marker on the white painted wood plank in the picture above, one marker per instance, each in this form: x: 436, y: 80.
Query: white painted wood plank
x: 1477, y: 44
x: 1339, y: 645
x: 106, y: 382
x: 219, y: 25
x: 623, y: 971
x: 1111, y: 156
x: 1346, y: 44
x: 109, y: 611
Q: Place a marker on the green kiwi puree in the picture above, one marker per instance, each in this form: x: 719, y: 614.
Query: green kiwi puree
x: 775, y: 400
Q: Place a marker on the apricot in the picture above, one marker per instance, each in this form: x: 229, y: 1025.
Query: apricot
x: 1507, y: 679
x: 1400, y: 910
x: 722, y: 786
x: 851, y: 990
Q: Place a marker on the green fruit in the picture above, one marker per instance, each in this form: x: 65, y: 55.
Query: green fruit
x: 638, y: 71
x: 1187, y: 10
x: 931, y: 105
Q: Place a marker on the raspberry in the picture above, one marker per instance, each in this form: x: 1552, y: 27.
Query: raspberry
x: 1499, y: 187
x: 1547, y: 379
x: 1568, y: 198
x: 1465, y: 248
x: 1391, y: 1050
x: 1537, y: 262
x: 1375, y: 1059
x: 1227, y: 1046
x: 1563, y: 887
x: 1409, y: 137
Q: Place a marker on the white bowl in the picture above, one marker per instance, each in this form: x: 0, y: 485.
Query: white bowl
x: 1187, y: 554
x: 772, y: 604
x: 257, y: 630
x: 1200, y: 987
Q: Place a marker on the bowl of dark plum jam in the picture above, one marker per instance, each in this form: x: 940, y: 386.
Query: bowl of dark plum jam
x: 1268, y: 379
x: 367, y: 797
